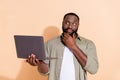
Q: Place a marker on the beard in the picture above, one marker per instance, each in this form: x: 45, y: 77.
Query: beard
x: 66, y: 31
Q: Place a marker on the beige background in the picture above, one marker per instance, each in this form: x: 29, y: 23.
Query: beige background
x: 100, y: 22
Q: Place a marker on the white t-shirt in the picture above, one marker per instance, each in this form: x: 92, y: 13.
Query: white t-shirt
x: 67, y: 69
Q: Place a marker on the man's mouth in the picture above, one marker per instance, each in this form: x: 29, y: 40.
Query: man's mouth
x: 69, y: 30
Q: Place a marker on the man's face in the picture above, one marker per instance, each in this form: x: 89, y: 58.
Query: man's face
x: 70, y: 24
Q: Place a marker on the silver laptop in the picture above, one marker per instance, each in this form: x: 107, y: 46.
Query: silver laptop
x: 26, y: 45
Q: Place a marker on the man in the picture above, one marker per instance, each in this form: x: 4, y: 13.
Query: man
x: 74, y: 55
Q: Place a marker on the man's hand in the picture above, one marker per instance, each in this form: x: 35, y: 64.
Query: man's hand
x: 32, y: 60
x: 69, y: 40
x: 42, y: 67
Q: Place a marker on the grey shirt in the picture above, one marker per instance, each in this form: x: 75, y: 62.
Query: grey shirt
x: 55, y: 49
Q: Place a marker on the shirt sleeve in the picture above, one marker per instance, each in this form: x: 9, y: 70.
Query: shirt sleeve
x: 92, y: 60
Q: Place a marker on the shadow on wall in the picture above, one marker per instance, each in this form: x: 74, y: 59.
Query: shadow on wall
x: 50, y: 32
x: 29, y: 72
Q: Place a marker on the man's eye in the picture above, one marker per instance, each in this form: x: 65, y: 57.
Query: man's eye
x: 74, y: 24
x: 67, y: 22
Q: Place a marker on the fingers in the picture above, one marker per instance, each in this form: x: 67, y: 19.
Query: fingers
x: 66, y: 35
x: 32, y: 60
x: 74, y: 36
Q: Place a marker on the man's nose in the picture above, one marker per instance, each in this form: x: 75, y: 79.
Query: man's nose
x: 70, y: 25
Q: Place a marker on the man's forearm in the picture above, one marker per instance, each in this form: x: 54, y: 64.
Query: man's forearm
x: 43, y: 68
x: 79, y: 54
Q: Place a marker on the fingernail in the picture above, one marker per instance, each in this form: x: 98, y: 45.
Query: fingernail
x: 33, y: 55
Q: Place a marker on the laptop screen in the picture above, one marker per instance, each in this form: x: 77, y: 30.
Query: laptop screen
x: 27, y: 45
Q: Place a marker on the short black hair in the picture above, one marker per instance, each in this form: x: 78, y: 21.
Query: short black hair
x: 71, y: 13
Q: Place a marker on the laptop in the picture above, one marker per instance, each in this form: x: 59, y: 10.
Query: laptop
x: 27, y: 45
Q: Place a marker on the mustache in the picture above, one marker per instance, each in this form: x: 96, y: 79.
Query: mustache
x: 73, y: 31
x: 69, y: 28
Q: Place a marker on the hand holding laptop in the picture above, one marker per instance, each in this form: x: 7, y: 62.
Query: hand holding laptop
x: 32, y: 60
